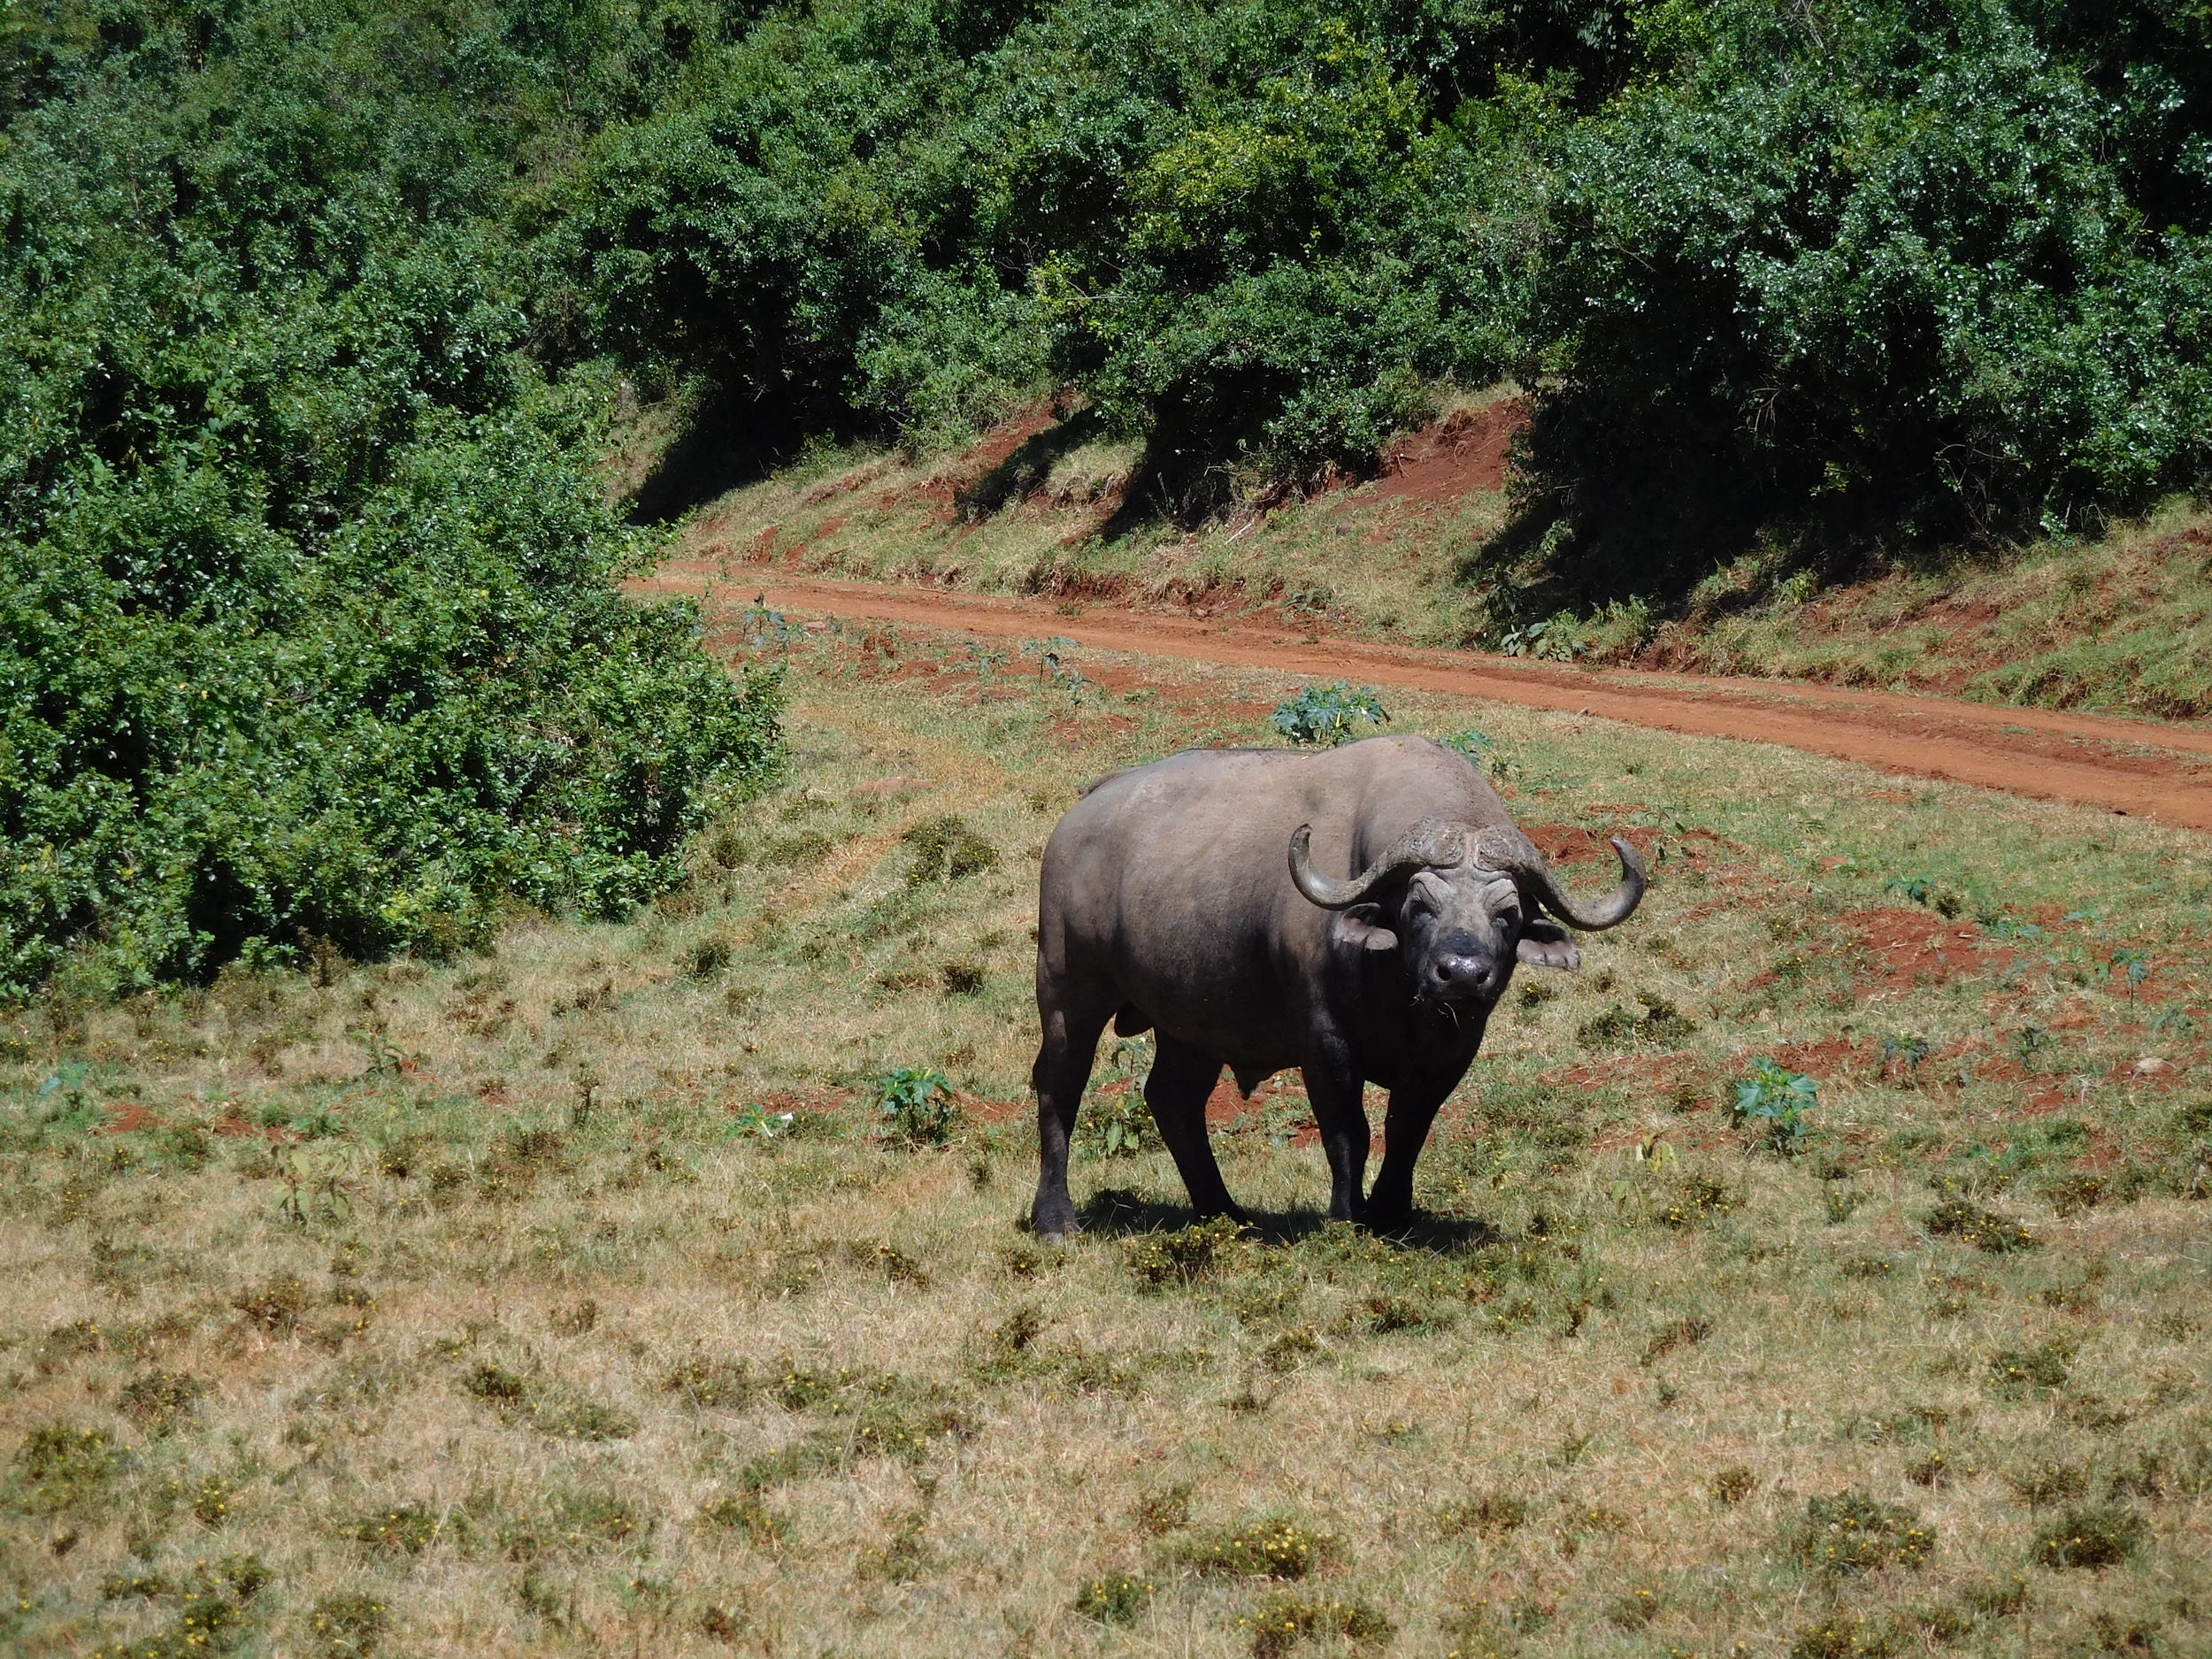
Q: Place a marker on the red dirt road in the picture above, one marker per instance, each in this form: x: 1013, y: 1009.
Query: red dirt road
x: 2148, y: 769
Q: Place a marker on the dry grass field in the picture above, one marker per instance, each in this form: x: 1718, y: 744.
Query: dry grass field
x: 583, y: 1298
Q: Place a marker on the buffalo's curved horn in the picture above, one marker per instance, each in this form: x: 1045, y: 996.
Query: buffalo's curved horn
x: 1511, y: 853
x: 1431, y: 844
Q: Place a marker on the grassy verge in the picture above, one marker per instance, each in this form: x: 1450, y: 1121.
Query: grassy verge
x: 497, y: 1307
x: 1043, y: 508
x: 2121, y: 624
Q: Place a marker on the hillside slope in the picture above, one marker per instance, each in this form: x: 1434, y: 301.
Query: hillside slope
x: 1040, y: 507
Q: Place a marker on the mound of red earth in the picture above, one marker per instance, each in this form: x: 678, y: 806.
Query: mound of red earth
x: 1464, y: 454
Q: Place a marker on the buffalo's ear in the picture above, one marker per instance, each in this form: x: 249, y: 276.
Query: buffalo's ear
x: 1546, y: 944
x: 1361, y: 928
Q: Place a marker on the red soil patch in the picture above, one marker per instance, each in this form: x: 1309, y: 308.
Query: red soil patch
x: 1909, y: 947
x: 1463, y: 455
x: 1659, y: 1073
x: 1075, y: 729
x: 236, y: 1124
x: 1832, y: 1056
x: 125, y: 1116
x: 1568, y: 844
x: 2173, y: 1073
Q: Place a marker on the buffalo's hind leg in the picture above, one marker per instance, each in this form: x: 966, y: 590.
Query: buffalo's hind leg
x: 1177, y: 1091
x: 1063, y: 1066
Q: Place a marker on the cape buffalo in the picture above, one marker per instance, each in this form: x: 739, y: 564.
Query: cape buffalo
x: 1190, y: 897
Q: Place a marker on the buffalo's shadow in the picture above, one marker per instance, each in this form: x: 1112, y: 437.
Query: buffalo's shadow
x: 1115, y: 1212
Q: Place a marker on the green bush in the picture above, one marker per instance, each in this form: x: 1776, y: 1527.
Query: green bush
x: 1892, y: 274
x: 917, y: 1106
x: 308, y: 623
x: 1322, y: 716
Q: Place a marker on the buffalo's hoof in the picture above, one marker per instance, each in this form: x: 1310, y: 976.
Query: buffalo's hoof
x: 1386, y: 1223
x: 1055, y: 1226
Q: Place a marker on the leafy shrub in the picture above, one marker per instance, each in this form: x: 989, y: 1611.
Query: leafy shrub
x: 214, y: 1607
x: 946, y: 849
x: 2043, y: 1482
x: 1163, y: 1508
x: 1843, y: 1636
x: 276, y: 1304
x: 2045, y: 1365
x: 1321, y: 717
x: 1492, y: 1514
x: 404, y: 1529
x: 496, y: 1384
x: 347, y: 1625
x: 1731, y: 1485
x: 917, y: 1106
x: 1884, y: 277
x: 1774, y: 1100
x: 1116, y: 1126
x: 1158, y: 1260
x: 306, y: 584
x: 60, y: 1468
x: 744, y: 1512
x: 573, y: 1522
x: 160, y: 1401
x: 1699, y: 1197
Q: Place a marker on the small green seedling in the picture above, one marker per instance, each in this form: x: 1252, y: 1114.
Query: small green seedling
x: 313, y: 1179
x: 986, y: 660
x: 74, y: 1110
x: 917, y: 1105
x: 1322, y: 716
x: 1778, y: 1099
x: 756, y: 1122
x: 1473, y: 744
x: 765, y: 626
x: 1557, y: 638
x: 1481, y: 749
x: 1908, y: 1052
x: 2137, y: 966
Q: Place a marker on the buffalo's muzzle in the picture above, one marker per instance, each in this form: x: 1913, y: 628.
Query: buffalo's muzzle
x: 1458, y: 978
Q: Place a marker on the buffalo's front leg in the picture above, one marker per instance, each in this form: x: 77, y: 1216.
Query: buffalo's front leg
x: 1063, y: 1066
x: 1181, y: 1082
x: 1413, y: 1108
x: 1334, y: 1087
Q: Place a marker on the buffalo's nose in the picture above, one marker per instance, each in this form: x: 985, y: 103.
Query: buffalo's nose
x: 1464, y: 976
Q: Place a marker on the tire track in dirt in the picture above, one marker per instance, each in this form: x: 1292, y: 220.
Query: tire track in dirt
x: 2155, y: 770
